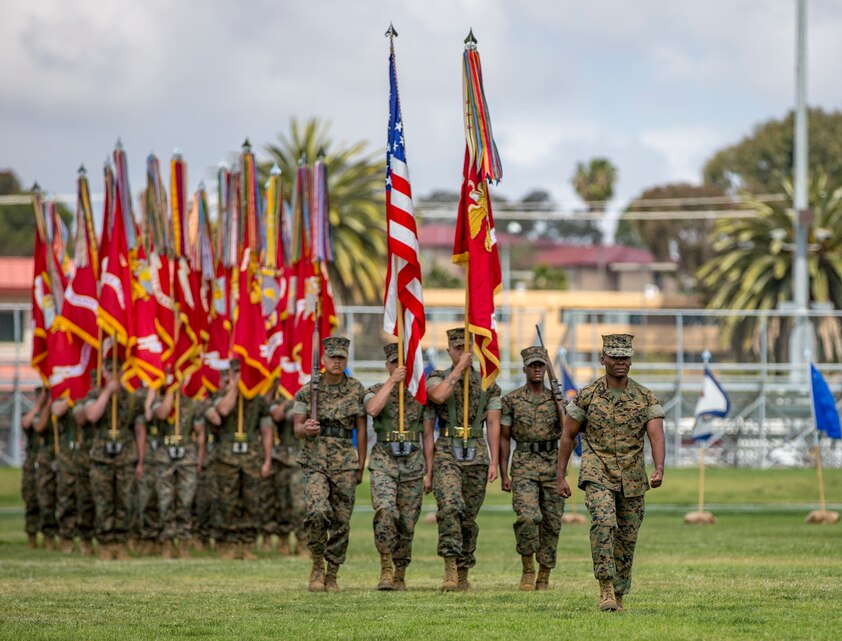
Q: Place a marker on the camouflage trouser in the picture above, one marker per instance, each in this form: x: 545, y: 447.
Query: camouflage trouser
x: 615, y: 522
x: 204, y: 503
x: 269, y: 505
x: 293, y: 508
x: 176, y: 487
x: 238, y: 486
x: 45, y: 476
x: 330, y: 501
x: 148, y: 517
x: 114, y: 487
x: 539, y: 509
x: 66, y: 503
x: 84, y: 497
x: 397, y: 505
x: 29, y: 493
x: 460, y: 491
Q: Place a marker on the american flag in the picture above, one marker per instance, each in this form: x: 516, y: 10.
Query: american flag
x: 403, y: 272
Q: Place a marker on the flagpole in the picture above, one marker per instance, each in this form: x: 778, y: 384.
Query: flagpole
x: 466, y: 382
x: 113, y: 378
x: 402, y: 384
x: 821, y: 515
x: 99, y: 357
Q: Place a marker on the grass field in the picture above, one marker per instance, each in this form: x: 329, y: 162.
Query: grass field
x: 759, y: 573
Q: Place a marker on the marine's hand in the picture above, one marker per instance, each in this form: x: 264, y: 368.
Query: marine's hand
x: 399, y: 374
x: 138, y: 470
x: 506, y: 483
x: 657, y: 477
x: 492, y: 473
x: 312, y: 427
x: 113, y: 386
x: 266, y: 469
x: 359, y: 476
x: 563, y: 488
x: 428, y: 482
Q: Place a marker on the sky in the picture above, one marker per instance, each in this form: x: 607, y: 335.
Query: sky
x: 656, y: 86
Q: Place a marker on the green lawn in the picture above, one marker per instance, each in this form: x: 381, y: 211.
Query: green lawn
x: 757, y: 574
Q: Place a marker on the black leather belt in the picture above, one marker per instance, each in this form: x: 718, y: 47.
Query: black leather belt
x: 537, y: 446
x: 336, y: 432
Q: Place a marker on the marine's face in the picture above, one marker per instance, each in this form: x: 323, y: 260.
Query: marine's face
x: 616, y: 366
x: 455, y: 352
x: 391, y: 366
x: 335, y: 364
x: 535, y: 371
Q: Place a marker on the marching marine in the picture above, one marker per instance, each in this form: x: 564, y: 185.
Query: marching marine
x: 531, y: 417
x: 612, y: 414
x: 332, y: 467
x: 398, y: 464
x: 29, y: 480
x: 463, y: 462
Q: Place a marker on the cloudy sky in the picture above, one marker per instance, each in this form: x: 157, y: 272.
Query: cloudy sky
x: 654, y: 85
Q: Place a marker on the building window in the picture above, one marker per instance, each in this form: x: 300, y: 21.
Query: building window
x: 7, y: 326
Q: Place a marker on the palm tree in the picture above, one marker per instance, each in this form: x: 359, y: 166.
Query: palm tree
x: 752, y: 267
x: 594, y: 182
x: 357, y: 205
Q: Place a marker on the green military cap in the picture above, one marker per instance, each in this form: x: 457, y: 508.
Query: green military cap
x: 456, y: 337
x: 617, y: 345
x: 391, y: 351
x: 336, y: 346
x: 234, y: 365
x: 534, y: 354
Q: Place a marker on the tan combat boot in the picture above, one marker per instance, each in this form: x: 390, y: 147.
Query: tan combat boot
x: 103, y: 551
x: 451, y: 575
x: 67, y: 546
x: 49, y: 543
x: 184, y: 548
x: 32, y: 541
x: 330, y: 577
x: 387, y: 573
x: 226, y: 550
x: 607, y: 600
x: 619, y: 599
x: 317, y: 574
x: 543, y: 580
x: 527, y: 578
x: 267, y: 543
x: 463, y: 584
x: 86, y: 547
x: 120, y: 551
x: 199, y: 545
x: 167, y: 550
x: 283, y: 545
x: 246, y: 552
x: 301, y: 548
x: 400, y: 576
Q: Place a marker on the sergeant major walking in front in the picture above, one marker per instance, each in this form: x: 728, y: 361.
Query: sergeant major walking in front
x: 612, y: 414
x: 332, y: 468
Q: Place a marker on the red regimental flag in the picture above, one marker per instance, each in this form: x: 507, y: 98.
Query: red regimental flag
x: 147, y: 350
x: 475, y: 247
x: 72, y: 361
x: 250, y: 330
x: 79, y: 314
x: 185, y: 294
x: 115, y: 303
x: 161, y: 271
x: 43, y: 307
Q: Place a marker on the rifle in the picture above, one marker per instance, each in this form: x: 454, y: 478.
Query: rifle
x: 558, y: 393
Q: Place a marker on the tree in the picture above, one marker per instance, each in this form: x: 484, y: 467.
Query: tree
x: 17, y: 222
x: 357, y: 205
x: 752, y: 267
x: 683, y: 239
x: 549, y: 278
x: 760, y: 162
x: 594, y: 182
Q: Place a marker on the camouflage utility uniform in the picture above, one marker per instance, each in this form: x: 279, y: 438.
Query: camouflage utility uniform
x: 29, y: 483
x: 175, y: 483
x: 536, y: 427
x: 330, y: 464
x: 613, y: 472
x: 113, y: 476
x: 397, y: 482
x: 237, y: 473
x: 285, y: 485
x: 147, y: 515
x: 459, y: 486
x: 75, y: 506
x: 204, y: 501
x: 45, y: 474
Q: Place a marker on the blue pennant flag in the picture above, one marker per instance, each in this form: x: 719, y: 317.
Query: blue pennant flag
x: 713, y: 403
x: 824, y: 406
x: 569, y: 389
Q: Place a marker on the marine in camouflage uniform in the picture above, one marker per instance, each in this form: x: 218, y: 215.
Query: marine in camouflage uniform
x: 29, y: 479
x: 612, y: 415
x: 204, y: 502
x: 241, y: 455
x: 287, y: 480
x: 332, y: 467
x: 45, y: 476
x: 461, y: 469
x: 398, y: 465
x: 116, y: 461
x: 147, y: 524
x: 531, y: 417
x: 74, y: 503
x: 179, y: 458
